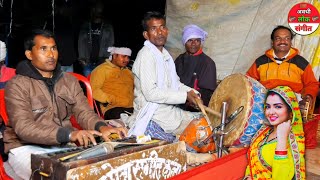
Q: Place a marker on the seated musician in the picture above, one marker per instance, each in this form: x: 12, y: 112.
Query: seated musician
x: 194, y: 67
x: 277, y: 150
x: 282, y: 65
x: 157, y: 88
x: 40, y: 100
x: 112, y: 84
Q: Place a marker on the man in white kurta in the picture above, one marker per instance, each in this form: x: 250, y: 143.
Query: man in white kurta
x: 157, y: 87
x: 169, y: 116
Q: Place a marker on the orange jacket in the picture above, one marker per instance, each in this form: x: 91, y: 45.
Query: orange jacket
x: 294, y: 71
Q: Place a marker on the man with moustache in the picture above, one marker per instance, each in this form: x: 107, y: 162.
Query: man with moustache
x: 112, y: 84
x: 40, y: 101
x: 157, y: 88
x: 282, y: 66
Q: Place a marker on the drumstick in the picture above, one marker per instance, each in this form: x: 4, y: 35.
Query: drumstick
x: 211, y: 111
x: 204, y: 108
x: 201, y: 106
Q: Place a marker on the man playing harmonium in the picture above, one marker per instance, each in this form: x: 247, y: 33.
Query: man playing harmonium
x: 40, y: 100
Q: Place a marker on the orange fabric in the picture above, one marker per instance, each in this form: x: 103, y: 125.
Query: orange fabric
x: 253, y: 72
x: 272, y: 74
x: 95, y: 104
x: 112, y: 85
x: 231, y: 166
x: 198, y: 53
x: 293, y: 52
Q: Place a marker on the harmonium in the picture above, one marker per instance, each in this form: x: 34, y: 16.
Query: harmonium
x: 152, y: 160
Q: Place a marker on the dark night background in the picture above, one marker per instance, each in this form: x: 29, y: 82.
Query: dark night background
x: 124, y: 15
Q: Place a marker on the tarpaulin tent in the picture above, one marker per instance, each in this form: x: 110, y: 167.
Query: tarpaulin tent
x: 239, y: 31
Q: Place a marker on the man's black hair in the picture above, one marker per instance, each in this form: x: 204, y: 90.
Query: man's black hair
x: 151, y: 15
x: 29, y: 40
x: 281, y: 27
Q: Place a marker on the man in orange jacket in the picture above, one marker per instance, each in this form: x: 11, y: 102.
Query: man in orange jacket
x: 281, y: 65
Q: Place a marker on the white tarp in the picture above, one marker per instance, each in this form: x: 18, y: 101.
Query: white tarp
x: 238, y: 31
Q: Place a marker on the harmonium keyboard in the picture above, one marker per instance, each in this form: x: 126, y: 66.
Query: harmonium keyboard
x: 153, y: 160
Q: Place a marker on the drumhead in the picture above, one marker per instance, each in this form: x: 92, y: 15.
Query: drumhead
x: 237, y: 90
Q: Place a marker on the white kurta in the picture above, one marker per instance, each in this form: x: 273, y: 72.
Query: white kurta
x: 167, y: 115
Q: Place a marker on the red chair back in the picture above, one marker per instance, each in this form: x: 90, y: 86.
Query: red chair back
x: 3, y: 174
x: 86, y: 82
x: 3, y: 112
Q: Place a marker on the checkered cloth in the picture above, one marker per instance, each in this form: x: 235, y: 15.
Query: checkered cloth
x: 155, y: 131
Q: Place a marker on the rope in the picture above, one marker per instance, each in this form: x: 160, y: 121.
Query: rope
x: 53, y: 26
x: 246, y: 37
x: 11, y: 19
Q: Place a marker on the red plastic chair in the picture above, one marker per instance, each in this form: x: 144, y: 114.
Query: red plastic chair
x: 96, y: 104
x: 86, y: 82
x: 3, y: 114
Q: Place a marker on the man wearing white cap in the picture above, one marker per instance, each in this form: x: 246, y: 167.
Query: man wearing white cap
x: 112, y: 84
x: 194, y: 67
x: 6, y: 73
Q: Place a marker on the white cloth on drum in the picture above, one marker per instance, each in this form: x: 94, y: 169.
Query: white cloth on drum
x: 20, y: 158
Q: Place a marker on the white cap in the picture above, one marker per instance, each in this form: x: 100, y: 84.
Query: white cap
x: 120, y: 50
x: 193, y: 31
x: 3, y: 51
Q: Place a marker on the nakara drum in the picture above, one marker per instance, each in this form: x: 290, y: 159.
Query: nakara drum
x: 239, y: 90
x: 195, y: 133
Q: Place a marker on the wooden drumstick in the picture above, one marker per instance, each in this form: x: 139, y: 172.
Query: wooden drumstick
x: 205, y: 109
x: 211, y: 111
x: 201, y: 106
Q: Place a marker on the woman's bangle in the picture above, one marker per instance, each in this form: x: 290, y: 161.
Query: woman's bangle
x: 281, y: 152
